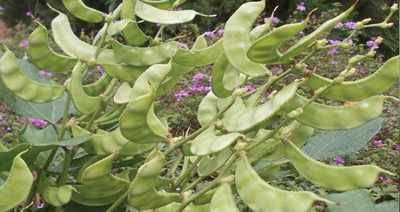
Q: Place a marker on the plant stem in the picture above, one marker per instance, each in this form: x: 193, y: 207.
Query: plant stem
x: 118, y: 202
x: 65, y: 119
x: 211, y: 185
x: 184, y: 174
x: 174, y: 165
x: 103, y: 38
x: 193, y: 183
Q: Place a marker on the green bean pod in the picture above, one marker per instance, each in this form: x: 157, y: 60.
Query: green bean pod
x: 163, y: 4
x: 207, y: 109
x: 123, y: 93
x: 265, y: 49
x: 73, y: 46
x: 42, y: 56
x: 23, y: 87
x: 303, y: 43
x: 270, y: 199
x: 91, y: 161
x: 345, y: 117
x: 207, y: 142
x: 380, y: 81
x: 123, y: 71
x: 99, y: 86
x: 88, y: 197
x: 18, y: 184
x: 168, y: 84
x: 146, y: 12
x: 98, y: 177
x: 145, y: 56
x: 56, y: 196
x: 239, y: 118
x: 337, y: 178
x: 208, y: 165
x: 138, y: 122
x: 83, y: 103
x: 83, y: 12
x: 132, y: 33
x: 199, y: 57
x: 223, y: 199
x: 142, y: 193
x: 217, y: 79
x: 190, y: 208
x: 236, y: 38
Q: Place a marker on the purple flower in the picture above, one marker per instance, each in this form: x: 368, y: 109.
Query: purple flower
x: 397, y: 147
x: 1, y: 8
x: 82, y: 29
x: 40, y: 206
x: 385, y: 180
x: 333, y: 51
x: 350, y: 41
x: 371, y: 43
x: 1, y: 117
x: 179, y: 96
x: 249, y: 87
x: 221, y: 31
x: 359, y: 64
x: 37, y: 122
x: 362, y: 72
x: 210, y: 33
x: 198, y: 77
x: 332, y: 42
x: 158, y: 24
x: 333, y: 62
x: 273, y: 20
x: 378, y: 143
x: 24, y: 43
x: 338, y: 160
x: 351, y: 25
x: 339, y: 25
x: 313, y: 16
x: 301, y: 6
x: 37, y: 19
x: 28, y: 13
x: 3, y: 107
x: 389, y: 111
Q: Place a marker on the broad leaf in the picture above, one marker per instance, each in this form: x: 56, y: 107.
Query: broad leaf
x: 330, y: 144
x: 357, y: 200
x: 392, y: 206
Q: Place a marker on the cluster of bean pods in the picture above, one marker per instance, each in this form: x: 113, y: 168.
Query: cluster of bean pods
x: 125, y: 164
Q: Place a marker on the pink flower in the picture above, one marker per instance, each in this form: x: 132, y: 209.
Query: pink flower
x: 385, y: 180
x: 3, y: 107
x: 249, y: 87
x: 378, y: 143
x: 37, y: 122
x: 221, y: 31
x: 338, y: 160
x: 313, y: 16
x: 339, y: 25
x: 209, y: 34
x: 1, y: 8
x: 362, y: 72
x: 351, y: 25
x: 333, y: 51
x: 301, y: 6
x: 42, y: 73
x: 28, y: 13
x: 371, y: 43
x: 40, y: 206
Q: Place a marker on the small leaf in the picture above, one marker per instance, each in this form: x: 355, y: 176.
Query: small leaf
x: 330, y: 144
x: 357, y: 200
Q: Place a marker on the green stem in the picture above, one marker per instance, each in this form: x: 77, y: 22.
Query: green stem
x: 118, y: 202
x: 198, y: 132
x: 211, y: 185
x: 103, y: 38
x: 177, y: 161
x: 65, y: 119
x: 184, y: 174
x: 194, y: 183
x: 49, y: 159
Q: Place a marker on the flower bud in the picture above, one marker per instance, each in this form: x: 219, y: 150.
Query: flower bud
x: 294, y: 113
x: 338, y: 80
x: 370, y: 54
x: 239, y: 92
x: 378, y: 40
x: 109, y: 18
x: 350, y: 73
x: 359, y: 25
x: 394, y: 7
x: 365, y: 21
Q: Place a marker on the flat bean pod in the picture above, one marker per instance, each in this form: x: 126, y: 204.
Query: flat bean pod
x: 56, y: 196
x: 98, y: 177
x: 83, y: 12
x: 345, y: 117
x: 303, y: 43
x: 123, y: 93
x: 199, y: 57
x: 239, y: 118
x: 42, y: 56
x: 217, y: 77
x: 163, y: 4
x: 96, y: 198
x: 123, y: 71
x: 168, y: 84
x: 146, y: 12
x: 117, y: 27
x: 265, y: 49
x: 23, y: 87
x: 223, y: 199
x: 18, y: 184
x: 190, y: 208
x: 270, y: 199
x: 380, y: 81
x: 208, y: 165
x: 333, y: 177
x: 207, y: 142
x: 83, y: 103
x: 236, y: 39
x: 73, y: 46
x: 142, y: 193
x: 207, y: 109
x: 138, y: 122
x: 97, y: 87
x: 138, y: 56
x: 132, y: 33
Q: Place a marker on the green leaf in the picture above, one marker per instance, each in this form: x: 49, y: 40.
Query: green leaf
x: 73, y: 207
x: 392, y: 206
x: 330, y: 144
x: 7, y: 156
x: 356, y: 200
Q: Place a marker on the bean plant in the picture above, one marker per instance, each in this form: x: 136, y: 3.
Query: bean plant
x: 107, y: 146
